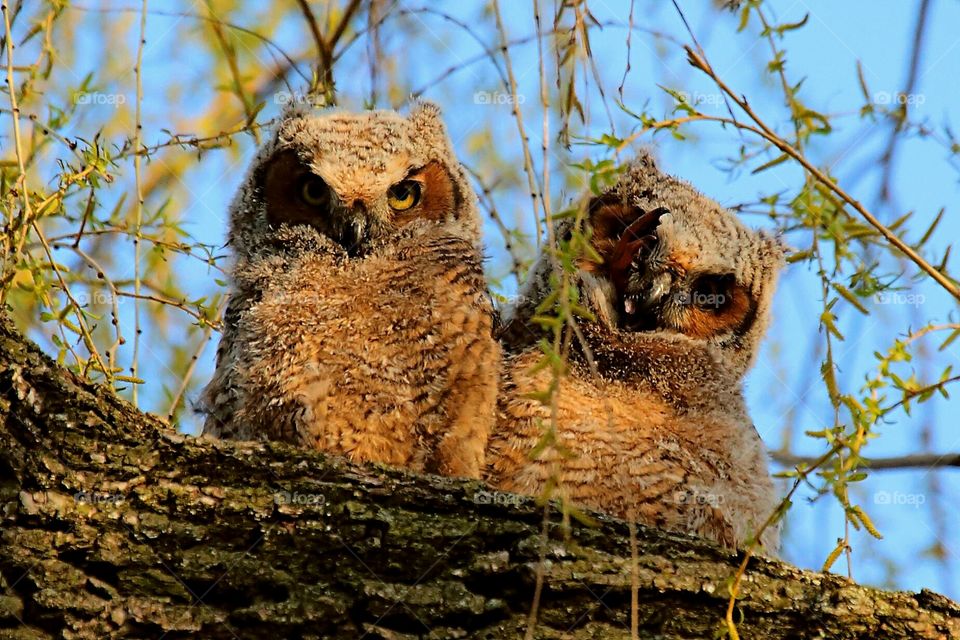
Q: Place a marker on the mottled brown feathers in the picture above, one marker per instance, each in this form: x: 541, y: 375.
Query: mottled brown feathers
x: 650, y: 420
x: 359, y: 322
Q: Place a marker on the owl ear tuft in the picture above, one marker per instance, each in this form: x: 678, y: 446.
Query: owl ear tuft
x: 427, y: 119
x: 299, y: 103
x: 776, y: 249
x: 293, y: 110
x: 646, y: 160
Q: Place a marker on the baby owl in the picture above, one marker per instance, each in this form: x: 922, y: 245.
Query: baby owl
x: 651, y: 421
x: 358, y: 321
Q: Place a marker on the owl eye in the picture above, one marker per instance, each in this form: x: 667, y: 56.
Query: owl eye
x: 314, y: 191
x: 404, y: 195
x: 713, y: 292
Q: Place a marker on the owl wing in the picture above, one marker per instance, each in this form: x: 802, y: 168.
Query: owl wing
x: 220, y: 397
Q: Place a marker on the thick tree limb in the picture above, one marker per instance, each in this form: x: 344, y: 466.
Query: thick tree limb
x: 115, y: 526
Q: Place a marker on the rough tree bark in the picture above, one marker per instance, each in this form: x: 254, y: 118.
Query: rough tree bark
x: 114, y: 525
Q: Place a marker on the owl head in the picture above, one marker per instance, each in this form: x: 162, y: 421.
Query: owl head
x: 351, y: 181
x: 675, y: 260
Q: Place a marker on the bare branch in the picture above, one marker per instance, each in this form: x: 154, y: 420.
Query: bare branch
x: 914, y: 461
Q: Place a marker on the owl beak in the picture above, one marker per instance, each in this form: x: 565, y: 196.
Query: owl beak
x: 658, y: 290
x: 351, y: 239
x: 641, y: 286
x: 651, y: 295
x: 353, y: 233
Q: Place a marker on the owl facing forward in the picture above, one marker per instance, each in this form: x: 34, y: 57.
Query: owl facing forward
x: 651, y: 424
x: 358, y: 321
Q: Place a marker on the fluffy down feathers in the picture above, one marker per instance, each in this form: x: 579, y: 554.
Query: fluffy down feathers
x: 364, y: 329
x: 652, y: 426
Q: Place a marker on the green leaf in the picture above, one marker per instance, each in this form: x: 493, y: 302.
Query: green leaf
x: 744, y: 18
x: 864, y: 519
x: 933, y: 225
x: 790, y: 26
x: 841, y: 546
x: 848, y: 295
x: 953, y: 336
x: 766, y: 165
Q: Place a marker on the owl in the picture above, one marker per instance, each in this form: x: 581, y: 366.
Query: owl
x: 359, y: 322
x: 651, y: 423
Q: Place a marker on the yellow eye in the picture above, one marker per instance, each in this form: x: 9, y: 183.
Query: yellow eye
x: 404, y: 195
x: 314, y: 192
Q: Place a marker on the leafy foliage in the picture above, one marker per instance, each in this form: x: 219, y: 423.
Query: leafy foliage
x: 103, y: 263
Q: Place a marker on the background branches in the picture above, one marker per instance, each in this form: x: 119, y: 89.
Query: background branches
x: 124, y: 130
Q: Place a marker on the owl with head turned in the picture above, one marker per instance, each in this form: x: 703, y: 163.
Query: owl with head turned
x: 358, y: 322
x: 650, y: 420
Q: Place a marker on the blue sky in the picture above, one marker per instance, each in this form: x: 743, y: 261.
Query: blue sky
x: 784, y: 387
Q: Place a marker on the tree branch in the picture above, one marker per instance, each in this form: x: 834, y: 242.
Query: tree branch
x: 327, y: 46
x: 917, y: 460
x: 114, y: 525
x: 943, y: 280
x: 886, y: 160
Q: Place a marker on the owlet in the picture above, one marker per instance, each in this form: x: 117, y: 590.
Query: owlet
x: 359, y: 322
x: 651, y: 423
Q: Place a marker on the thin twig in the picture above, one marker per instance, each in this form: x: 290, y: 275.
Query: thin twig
x: 540, y: 577
x: 802, y: 473
x: 521, y: 129
x: 326, y: 46
x: 545, y: 106
x: 25, y: 219
x: 900, y: 114
x: 912, y: 461
x: 200, y: 316
x: 84, y: 330
x: 323, y: 54
x: 196, y: 16
x: 626, y: 69
x: 114, y: 305
x: 194, y: 358
x: 769, y: 135
x: 230, y: 55
x: 138, y: 134
x: 485, y: 196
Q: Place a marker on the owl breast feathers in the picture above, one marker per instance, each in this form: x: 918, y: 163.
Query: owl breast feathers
x: 359, y: 322
x: 650, y: 422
